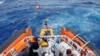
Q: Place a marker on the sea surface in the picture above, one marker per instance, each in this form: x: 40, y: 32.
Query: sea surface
x: 81, y: 16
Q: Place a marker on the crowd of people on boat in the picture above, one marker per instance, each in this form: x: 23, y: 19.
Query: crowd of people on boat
x: 53, y: 49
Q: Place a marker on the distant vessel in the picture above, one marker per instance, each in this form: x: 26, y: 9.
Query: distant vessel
x: 37, y: 6
x: 74, y: 42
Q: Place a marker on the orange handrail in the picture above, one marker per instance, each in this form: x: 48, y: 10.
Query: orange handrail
x: 68, y: 33
x: 17, y: 44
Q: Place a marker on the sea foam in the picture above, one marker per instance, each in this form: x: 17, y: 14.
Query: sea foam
x: 1, y: 2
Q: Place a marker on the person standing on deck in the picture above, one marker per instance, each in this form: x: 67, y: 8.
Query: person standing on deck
x: 47, y: 32
x: 33, y: 48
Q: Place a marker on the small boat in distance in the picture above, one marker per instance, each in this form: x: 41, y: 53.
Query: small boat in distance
x: 67, y: 41
x: 37, y: 6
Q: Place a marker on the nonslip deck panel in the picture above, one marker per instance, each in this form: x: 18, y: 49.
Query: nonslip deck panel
x: 11, y: 39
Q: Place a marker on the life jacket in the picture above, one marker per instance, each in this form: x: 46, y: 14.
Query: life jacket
x: 43, y: 43
x: 47, y: 32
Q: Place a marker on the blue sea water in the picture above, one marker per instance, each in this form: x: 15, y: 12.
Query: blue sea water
x: 81, y: 16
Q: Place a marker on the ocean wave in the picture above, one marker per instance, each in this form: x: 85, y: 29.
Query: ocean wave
x: 79, y: 19
x: 1, y: 2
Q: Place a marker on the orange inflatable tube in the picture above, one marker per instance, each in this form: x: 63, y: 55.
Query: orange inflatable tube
x: 68, y: 33
x: 18, y: 44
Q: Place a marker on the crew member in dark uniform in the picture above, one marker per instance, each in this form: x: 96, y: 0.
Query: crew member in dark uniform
x: 34, y: 46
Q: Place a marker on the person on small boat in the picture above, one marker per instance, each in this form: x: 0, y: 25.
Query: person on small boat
x: 14, y: 52
x: 86, y: 52
x: 43, y: 42
x: 69, y: 53
x: 32, y: 49
x: 89, y: 53
x: 49, y: 53
x: 47, y: 32
x: 51, y: 42
x: 50, y: 48
x: 83, y: 52
x: 63, y: 45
